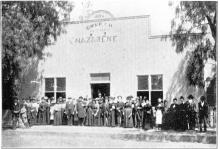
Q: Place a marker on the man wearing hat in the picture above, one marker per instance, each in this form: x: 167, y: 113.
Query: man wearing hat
x: 191, y: 113
x: 182, y: 114
x: 203, y: 113
x: 81, y: 111
x: 15, y: 112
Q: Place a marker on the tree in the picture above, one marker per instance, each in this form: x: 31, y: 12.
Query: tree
x: 195, y: 27
x: 27, y: 27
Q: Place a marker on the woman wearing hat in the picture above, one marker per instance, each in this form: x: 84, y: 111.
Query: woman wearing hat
x: 57, y: 112
x: 106, y: 111
x: 89, y: 113
x: 147, y: 115
x: 128, y: 113
x: 42, y: 112
x: 112, y: 115
x: 96, y: 113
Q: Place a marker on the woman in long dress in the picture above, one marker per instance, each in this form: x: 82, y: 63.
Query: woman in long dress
x: 96, y: 113
x: 147, y: 115
x: 89, y: 116
x: 112, y: 112
x: 106, y: 112
x: 57, y: 114
x: 128, y: 115
x: 159, y: 114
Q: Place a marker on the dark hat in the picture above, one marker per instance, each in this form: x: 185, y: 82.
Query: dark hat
x: 15, y: 98
x: 181, y: 97
x: 174, y: 99
x: 202, y: 98
x: 80, y: 97
x: 190, y: 96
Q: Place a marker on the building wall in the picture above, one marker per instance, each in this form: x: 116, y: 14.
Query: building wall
x: 133, y: 52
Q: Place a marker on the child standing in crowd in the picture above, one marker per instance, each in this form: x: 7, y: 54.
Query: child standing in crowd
x: 159, y: 114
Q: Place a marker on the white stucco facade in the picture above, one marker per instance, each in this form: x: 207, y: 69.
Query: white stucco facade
x: 122, y: 47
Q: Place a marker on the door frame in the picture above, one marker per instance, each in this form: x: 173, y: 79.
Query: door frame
x: 103, y: 82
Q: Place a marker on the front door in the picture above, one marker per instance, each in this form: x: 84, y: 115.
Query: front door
x: 103, y: 88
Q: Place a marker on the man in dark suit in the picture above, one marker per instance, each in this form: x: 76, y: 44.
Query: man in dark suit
x: 191, y: 113
x: 182, y: 114
x: 203, y: 113
x: 173, y: 114
x: 16, y: 108
x: 80, y: 111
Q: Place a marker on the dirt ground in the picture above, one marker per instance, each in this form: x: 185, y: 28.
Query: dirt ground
x: 83, y: 137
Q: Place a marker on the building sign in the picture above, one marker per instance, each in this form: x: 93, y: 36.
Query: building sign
x: 98, y: 32
x: 95, y: 39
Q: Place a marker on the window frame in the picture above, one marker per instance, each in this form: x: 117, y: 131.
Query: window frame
x: 55, y: 91
x: 150, y: 90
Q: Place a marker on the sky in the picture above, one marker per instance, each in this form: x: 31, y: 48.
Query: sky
x: 160, y: 12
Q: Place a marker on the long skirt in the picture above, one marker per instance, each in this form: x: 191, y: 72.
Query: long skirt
x: 182, y: 120
x: 33, y: 118
x: 75, y: 119
x: 119, y: 118
x: 112, y: 115
x: 89, y: 117
x: 97, y: 119
x: 48, y: 115
x: 106, y: 118
x: 159, y: 117
x: 146, y: 121
x: 57, y: 118
x: 42, y: 117
x: 128, y: 118
x: 64, y: 117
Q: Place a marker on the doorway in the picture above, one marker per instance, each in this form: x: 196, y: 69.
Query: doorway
x: 103, y: 88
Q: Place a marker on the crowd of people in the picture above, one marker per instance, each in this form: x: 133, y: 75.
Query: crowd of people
x: 112, y: 112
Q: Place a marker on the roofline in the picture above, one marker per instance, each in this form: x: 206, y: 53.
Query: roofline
x: 159, y: 36
x: 170, y: 35
x: 107, y: 19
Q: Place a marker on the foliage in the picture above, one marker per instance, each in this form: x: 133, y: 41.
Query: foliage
x: 195, y: 26
x: 27, y: 27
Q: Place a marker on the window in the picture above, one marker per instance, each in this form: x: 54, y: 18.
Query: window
x: 143, y: 86
x: 55, y: 87
x: 142, y: 82
x: 152, y: 91
x: 156, y: 88
x: 156, y: 82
